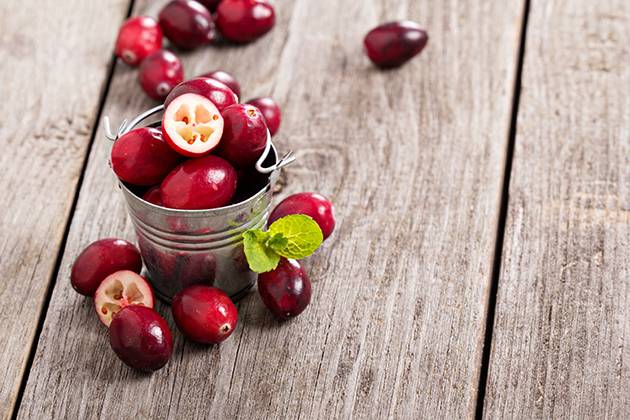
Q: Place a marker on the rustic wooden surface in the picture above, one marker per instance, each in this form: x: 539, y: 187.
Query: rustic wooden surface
x: 413, y: 159
x: 52, y: 71
x: 559, y: 345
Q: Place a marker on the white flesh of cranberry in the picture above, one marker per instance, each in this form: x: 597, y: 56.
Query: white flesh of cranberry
x: 120, y: 289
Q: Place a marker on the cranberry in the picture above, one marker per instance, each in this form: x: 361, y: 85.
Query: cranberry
x: 142, y: 157
x: 118, y: 290
x: 159, y: 73
x: 226, y: 78
x: 220, y: 94
x: 140, y: 337
x: 204, y: 314
x: 203, y: 183
x: 245, y: 20
x: 99, y: 260
x: 310, y: 204
x: 137, y: 38
x: 244, y: 135
x: 153, y: 196
x: 211, y: 5
x: 285, y: 291
x: 187, y: 23
x: 393, y: 43
x: 192, y: 125
x: 271, y: 112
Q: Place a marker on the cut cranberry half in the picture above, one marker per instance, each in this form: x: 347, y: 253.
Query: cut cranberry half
x: 219, y: 93
x: 159, y: 73
x: 192, y: 125
x: 137, y: 38
x: 121, y: 289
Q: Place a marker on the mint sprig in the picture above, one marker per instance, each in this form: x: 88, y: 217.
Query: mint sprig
x: 295, y: 236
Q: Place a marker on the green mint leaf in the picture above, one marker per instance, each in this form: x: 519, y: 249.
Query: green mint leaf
x: 303, y: 236
x: 277, y: 241
x: 260, y: 257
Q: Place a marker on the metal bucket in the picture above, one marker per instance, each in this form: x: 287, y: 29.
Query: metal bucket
x: 185, y: 247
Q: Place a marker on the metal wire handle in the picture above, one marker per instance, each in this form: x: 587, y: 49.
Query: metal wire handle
x: 126, y: 127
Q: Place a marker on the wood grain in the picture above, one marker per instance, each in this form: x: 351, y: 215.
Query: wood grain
x: 53, y: 69
x: 413, y: 159
x: 559, y: 345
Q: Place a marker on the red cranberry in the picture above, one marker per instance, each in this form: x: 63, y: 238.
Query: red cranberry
x: 140, y: 337
x: 210, y: 4
x: 271, y: 112
x: 393, y: 43
x: 310, y: 204
x: 192, y: 125
x: 159, y: 73
x: 244, y: 135
x: 137, y: 38
x: 204, y: 314
x: 245, y: 20
x: 153, y: 196
x: 99, y: 260
x: 187, y: 23
x: 285, y: 291
x: 220, y: 94
x: 121, y: 289
x: 142, y: 157
x: 203, y: 183
x: 226, y: 78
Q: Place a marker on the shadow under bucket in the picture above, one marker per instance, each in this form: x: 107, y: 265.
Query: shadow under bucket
x: 185, y: 247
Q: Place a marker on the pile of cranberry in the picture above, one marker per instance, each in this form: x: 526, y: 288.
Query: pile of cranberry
x: 202, y: 156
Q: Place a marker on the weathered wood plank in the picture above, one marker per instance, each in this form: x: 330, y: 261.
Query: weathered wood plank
x: 52, y: 72
x: 413, y: 159
x: 559, y: 342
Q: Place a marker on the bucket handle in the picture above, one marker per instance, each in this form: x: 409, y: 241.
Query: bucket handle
x: 126, y: 127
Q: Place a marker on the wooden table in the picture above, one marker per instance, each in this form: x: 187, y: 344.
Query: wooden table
x: 481, y: 261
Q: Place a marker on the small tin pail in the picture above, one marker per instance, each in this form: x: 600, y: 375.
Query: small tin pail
x: 185, y: 247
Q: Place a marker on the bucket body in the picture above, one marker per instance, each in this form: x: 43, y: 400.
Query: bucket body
x: 185, y: 247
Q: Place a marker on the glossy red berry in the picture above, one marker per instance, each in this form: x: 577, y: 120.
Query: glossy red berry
x: 159, y: 73
x: 203, y: 183
x: 219, y: 93
x: 138, y: 37
x: 245, y: 20
x: 244, y: 135
x: 142, y: 157
x: 187, y: 24
x: 140, y: 337
x: 393, y: 43
x: 285, y: 291
x: 311, y: 204
x: 226, y: 78
x: 100, y: 259
x: 270, y: 110
x: 204, y: 314
x: 153, y: 196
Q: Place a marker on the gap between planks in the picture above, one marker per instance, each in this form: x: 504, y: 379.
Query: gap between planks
x: 62, y: 247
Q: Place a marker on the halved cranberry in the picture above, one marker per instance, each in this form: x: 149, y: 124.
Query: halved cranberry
x: 245, y: 20
x: 393, y: 43
x: 192, y: 125
x: 285, y: 291
x: 203, y: 183
x: 226, y: 78
x: 311, y: 204
x: 142, y: 157
x: 204, y: 314
x: 137, y: 38
x: 159, y: 73
x: 244, y: 135
x: 187, y: 24
x: 100, y: 259
x: 219, y: 93
x: 140, y: 337
x: 271, y: 112
x: 121, y: 289
x: 153, y: 196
